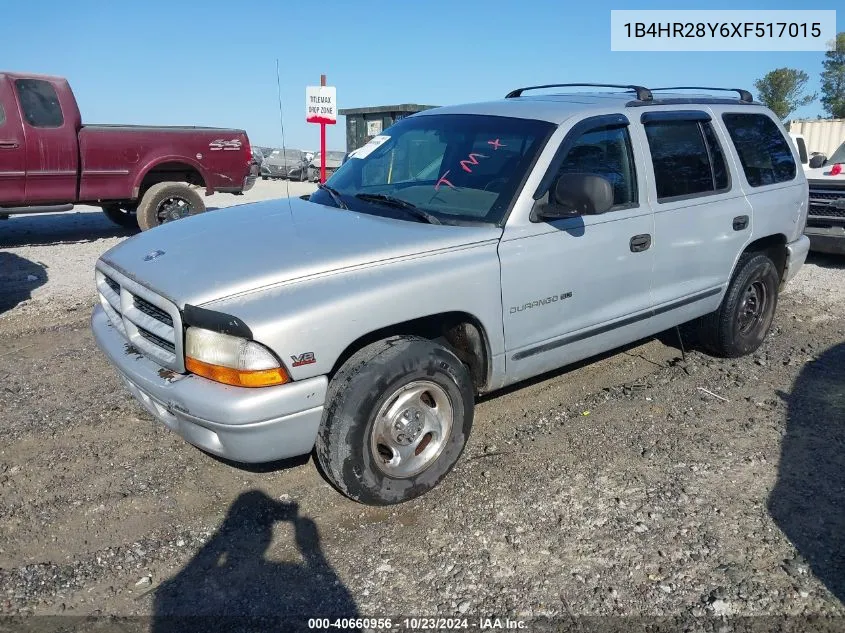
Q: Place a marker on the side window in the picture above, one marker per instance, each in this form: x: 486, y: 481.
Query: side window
x: 605, y: 152
x: 687, y: 158
x: 2, y: 115
x: 39, y: 102
x: 765, y: 155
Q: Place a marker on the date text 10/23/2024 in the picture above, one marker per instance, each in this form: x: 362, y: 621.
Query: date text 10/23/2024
x: 417, y: 624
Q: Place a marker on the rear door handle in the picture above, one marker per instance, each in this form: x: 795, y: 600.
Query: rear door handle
x: 640, y: 243
x: 740, y: 222
x: 8, y: 144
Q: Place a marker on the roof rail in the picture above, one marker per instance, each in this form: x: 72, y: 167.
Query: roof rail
x: 744, y: 95
x: 643, y: 94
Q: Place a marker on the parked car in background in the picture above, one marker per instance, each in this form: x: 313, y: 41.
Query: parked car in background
x: 826, y: 222
x: 333, y: 161
x: 550, y: 230
x: 281, y: 163
x: 257, y: 159
x: 139, y: 175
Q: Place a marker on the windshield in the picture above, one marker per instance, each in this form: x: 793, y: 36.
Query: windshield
x: 456, y: 167
x: 838, y: 156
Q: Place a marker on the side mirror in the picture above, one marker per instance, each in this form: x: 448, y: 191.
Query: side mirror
x: 817, y: 161
x: 578, y: 194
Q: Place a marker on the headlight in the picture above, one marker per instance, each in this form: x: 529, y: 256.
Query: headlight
x: 231, y: 360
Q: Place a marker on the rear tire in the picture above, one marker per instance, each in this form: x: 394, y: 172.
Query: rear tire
x: 122, y: 215
x: 168, y: 201
x: 397, y: 418
x: 741, y: 323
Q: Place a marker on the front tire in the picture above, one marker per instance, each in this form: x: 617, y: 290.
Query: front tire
x: 741, y: 323
x: 168, y: 201
x: 398, y: 417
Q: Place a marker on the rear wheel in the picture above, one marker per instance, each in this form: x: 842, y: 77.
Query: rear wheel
x: 168, y: 201
x: 122, y: 214
x: 741, y: 323
x: 398, y: 416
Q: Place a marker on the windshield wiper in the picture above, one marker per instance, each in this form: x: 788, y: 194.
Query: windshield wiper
x: 334, y: 195
x: 398, y: 203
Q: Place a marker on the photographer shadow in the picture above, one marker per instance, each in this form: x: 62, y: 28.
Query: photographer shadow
x: 230, y: 586
x: 808, y: 500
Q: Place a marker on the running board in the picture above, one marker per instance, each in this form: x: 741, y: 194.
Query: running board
x: 55, y: 208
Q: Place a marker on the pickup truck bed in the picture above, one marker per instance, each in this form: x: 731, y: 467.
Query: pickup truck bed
x: 48, y: 158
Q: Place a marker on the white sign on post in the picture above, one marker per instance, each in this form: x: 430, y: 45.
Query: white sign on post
x: 321, y: 104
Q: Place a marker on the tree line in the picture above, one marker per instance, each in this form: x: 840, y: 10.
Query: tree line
x: 784, y: 90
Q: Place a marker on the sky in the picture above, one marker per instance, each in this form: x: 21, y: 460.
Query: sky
x: 213, y: 63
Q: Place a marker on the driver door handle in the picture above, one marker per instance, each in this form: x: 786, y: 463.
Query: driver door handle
x: 8, y: 144
x: 640, y: 243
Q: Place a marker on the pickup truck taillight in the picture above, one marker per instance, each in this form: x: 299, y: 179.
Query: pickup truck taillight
x: 248, y: 149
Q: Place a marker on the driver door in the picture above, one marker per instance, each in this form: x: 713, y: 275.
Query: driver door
x: 577, y: 286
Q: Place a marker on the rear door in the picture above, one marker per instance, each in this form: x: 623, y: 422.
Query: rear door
x: 51, y: 142
x: 774, y: 185
x: 701, y: 217
x: 12, y: 149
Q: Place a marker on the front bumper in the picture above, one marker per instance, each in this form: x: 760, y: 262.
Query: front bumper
x: 796, y: 255
x: 828, y: 239
x: 241, y: 424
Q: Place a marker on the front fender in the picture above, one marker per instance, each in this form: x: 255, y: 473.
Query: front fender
x: 315, y: 320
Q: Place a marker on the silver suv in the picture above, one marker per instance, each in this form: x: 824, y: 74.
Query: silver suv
x: 465, y: 249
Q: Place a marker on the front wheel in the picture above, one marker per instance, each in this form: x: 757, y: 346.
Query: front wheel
x: 168, y: 201
x: 741, y: 323
x: 398, y: 417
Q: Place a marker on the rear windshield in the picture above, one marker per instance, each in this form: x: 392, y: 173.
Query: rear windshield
x: 457, y: 167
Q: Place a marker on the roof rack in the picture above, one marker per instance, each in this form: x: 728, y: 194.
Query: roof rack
x: 643, y: 94
x: 744, y: 95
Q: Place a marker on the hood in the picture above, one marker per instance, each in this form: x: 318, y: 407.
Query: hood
x: 331, y: 163
x: 821, y: 176
x: 243, y: 248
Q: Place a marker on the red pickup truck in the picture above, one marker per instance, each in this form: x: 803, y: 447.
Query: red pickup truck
x: 140, y: 176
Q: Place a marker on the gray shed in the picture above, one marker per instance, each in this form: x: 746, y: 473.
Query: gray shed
x: 362, y: 124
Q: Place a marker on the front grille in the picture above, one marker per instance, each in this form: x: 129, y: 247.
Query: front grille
x: 822, y: 202
x: 148, y: 321
x: 112, y: 284
x: 150, y: 310
x: 157, y: 340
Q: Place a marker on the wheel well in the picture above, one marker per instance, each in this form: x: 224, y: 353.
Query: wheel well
x: 171, y: 172
x: 775, y: 247
x: 459, y: 331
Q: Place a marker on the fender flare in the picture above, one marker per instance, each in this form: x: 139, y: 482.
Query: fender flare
x: 159, y: 160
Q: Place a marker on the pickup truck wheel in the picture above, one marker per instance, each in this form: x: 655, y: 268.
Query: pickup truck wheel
x: 398, y: 416
x: 741, y: 323
x: 122, y: 215
x: 166, y: 202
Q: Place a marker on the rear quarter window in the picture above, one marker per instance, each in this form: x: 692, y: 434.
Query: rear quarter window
x: 39, y: 102
x: 764, y: 153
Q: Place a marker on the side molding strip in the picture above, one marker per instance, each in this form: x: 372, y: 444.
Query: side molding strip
x: 573, y: 338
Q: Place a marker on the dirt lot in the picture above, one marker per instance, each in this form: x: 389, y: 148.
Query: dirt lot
x: 618, y: 487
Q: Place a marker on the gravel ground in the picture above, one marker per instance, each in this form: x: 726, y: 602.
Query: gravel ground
x: 635, y: 484
x: 47, y: 260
